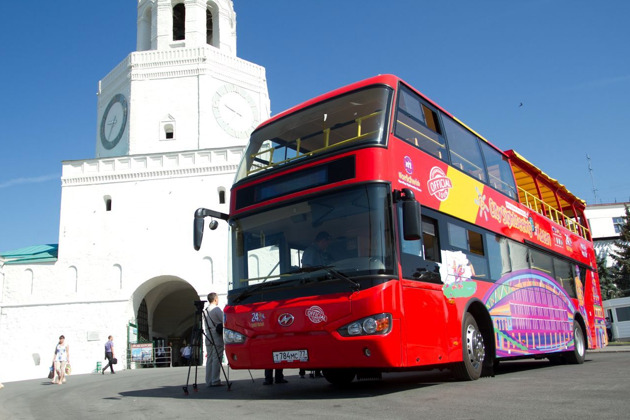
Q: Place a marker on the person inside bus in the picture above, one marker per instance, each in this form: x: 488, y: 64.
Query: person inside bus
x: 316, y: 254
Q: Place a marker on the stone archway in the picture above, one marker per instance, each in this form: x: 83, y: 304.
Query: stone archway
x: 170, y: 311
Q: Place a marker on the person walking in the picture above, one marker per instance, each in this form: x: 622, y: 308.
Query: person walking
x: 109, y: 355
x: 214, y: 341
x: 60, y: 359
x: 186, y: 352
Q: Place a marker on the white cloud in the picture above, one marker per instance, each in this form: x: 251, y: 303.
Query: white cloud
x: 602, y: 83
x: 29, y: 180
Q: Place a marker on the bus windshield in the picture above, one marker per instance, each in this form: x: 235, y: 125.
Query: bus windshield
x: 334, y: 238
x: 357, y: 117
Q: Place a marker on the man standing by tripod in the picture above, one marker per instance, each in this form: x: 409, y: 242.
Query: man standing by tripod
x: 214, y: 341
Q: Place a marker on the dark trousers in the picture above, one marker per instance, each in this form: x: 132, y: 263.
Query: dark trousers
x: 109, y: 356
x: 269, y: 375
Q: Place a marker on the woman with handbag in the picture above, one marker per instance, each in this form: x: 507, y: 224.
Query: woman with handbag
x: 61, y: 357
x: 109, y: 355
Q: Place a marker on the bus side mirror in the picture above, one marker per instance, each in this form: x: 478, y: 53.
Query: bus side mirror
x: 197, y: 233
x: 412, y: 222
x: 200, y: 215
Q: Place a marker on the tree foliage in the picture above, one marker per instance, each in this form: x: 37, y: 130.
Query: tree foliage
x: 620, y: 271
x: 606, y: 283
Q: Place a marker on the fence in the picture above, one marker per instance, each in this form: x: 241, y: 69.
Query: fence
x: 146, y: 355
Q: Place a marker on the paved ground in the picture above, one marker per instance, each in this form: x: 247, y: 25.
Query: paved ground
x: 522, y: 388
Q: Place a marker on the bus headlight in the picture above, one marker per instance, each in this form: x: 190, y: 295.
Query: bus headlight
x: 232, y: 337
x: 379, y: 324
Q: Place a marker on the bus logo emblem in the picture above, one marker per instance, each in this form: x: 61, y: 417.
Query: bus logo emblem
x: 286, y: 320
x: 439, y: 184
x: 316, y: 314
x: 408, y: 165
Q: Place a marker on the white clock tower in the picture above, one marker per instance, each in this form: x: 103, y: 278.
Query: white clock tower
x: 172, y: 122
x: 185, y: 88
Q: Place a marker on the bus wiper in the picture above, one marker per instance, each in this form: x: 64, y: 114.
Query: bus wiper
x: 249, y: 292
x: 333, y: 272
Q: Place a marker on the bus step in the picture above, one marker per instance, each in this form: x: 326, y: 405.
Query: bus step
x: 369, y: 375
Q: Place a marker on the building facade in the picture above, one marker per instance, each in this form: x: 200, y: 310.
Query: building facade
x: 172, y: 122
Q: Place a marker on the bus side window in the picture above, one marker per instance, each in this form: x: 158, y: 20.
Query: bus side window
x: 418, y: 258
x: 518, y: 256
x: 498, y: 256
x: 430, y: 240
x: 500, y: 175
x: 418, y: 124
x: 565, y: 275
x: 471, y: 243
x: 464, y: 148
x: 541, y: 261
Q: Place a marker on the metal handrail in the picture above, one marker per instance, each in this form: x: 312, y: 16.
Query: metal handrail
x: 298, y: 143
x: 544, y: 209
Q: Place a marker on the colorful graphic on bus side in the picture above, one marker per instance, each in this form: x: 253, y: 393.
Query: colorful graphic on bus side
x: 531, y: 314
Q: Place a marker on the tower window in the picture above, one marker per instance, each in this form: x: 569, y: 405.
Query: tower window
x: 208, y: 27
x: 168, y: 131
x: 179, y: 22
x: 221, y: 195
x: 167, y: 128
x: 108, y: 203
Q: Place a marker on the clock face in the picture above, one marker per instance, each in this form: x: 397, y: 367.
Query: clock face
x: 114, y: 121
x: 235, y: 111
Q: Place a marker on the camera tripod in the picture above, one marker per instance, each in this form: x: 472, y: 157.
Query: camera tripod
x: 195, y: 343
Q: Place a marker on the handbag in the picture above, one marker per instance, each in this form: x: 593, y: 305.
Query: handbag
x: 68, y: 369
x: 114, y: 361
x: 51, y: 372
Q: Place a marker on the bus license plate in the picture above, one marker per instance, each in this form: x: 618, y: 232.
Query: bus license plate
x: 290, y: 356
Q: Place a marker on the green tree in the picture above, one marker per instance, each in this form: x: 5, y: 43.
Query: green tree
x: 620, y: 272
x: 606, y: 283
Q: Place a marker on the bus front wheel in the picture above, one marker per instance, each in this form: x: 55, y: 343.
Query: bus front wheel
x: 339, y: 377
x: 474, y: 351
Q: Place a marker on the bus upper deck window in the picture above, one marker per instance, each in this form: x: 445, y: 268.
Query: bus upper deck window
x: 418, y: 124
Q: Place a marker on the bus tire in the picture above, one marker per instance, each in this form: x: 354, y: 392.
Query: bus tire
x: 474, y: 351
x: 577, y: 355
x: 339, y: 377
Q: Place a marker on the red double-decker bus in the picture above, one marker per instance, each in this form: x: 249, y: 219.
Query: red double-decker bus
x: 372, y: 231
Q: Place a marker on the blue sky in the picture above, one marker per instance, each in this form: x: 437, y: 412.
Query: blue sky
x: 567, y: 61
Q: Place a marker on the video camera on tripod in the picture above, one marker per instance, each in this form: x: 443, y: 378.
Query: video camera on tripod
x: 195, y: 341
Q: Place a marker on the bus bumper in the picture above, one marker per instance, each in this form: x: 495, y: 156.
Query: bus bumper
x: 317, y: 350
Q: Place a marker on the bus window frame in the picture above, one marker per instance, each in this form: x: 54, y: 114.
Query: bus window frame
x: 443, y: 152
x: 460, y: 135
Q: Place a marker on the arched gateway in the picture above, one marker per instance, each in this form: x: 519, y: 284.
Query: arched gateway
x: 164, y: 313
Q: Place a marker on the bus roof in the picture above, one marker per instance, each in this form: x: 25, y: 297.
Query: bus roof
x: 386, y: 79
x: 528, y: 176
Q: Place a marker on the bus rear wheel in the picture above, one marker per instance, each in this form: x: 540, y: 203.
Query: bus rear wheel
x: 339, y: 377
x: 474, y: 351
x: 579, y: 345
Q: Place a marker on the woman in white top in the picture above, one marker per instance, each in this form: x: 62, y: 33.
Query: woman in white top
x: 60, y: 359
